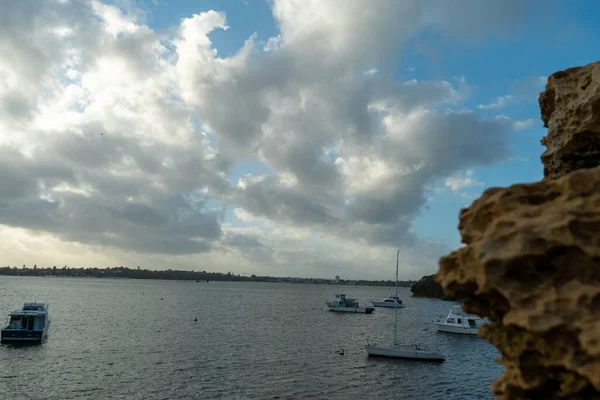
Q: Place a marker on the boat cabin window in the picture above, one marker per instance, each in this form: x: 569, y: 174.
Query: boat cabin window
x: 15, y: 322
x: 388, y: 301
x: 33, y: 308
x: 28, y: 322
x: 460, y: 321
x: 451, y: 320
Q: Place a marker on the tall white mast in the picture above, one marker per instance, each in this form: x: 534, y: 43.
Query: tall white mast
x: 397, y: 257
x: 396, y: 308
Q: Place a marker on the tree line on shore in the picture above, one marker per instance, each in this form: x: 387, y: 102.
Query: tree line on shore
x: 171, y: 274
x: 425, y: 287
x: 428, y: 287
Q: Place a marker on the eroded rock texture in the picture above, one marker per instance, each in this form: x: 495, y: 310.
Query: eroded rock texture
x: 532, y: 257
x: 571, y: 110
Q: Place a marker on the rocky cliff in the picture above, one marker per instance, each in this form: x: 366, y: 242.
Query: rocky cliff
x: 532, y: 257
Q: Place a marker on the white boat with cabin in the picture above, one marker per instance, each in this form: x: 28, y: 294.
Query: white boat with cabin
x: 458, y: 321
x: 392, y: 301
x: 414, y: 352
x: 389, y: 302
x: 341, y: 303
x: 28, y: 325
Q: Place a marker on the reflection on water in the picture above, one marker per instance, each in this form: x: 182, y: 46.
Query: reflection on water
x: 118, y: 339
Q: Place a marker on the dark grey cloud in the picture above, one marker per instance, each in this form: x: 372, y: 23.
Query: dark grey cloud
x: 125, y: 208
x: 435, y: 146
x: 267, y: 197
x: 250, y: 246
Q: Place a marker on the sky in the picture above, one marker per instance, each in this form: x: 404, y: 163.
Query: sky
x: 307, y: 138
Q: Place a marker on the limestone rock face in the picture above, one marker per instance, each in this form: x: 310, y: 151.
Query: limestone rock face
x: 571, y: 111
x: 532, y: 257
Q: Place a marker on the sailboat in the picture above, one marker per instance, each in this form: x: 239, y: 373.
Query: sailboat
x: 402, y: 351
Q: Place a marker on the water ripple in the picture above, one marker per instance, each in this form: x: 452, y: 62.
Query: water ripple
x: 117, y: 339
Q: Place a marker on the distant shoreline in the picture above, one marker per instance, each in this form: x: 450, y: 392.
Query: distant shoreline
x: 180, y: 275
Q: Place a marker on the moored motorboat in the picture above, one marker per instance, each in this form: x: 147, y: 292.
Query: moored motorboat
x: 27, y: 325
x: 389, y: 302
x: 341, y: 303
x: 460, y: 322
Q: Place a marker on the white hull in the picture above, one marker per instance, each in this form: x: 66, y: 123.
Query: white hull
x: 408, y: 352
x: 456, y: 329
x: 361, y: 310
x: 387, y: 304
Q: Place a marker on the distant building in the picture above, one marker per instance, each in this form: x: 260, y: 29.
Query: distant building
x: 337, y: 279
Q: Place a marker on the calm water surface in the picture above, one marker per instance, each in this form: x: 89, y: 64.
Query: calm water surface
x: 116, y: 339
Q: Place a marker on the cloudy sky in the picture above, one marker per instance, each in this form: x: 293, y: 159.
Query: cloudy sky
x: 281, y: 137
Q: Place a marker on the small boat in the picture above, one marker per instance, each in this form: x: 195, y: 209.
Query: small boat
x: 347, y: 304
x: 27, y: 325
x: 403, y: 351
x: 389, y: 302
x: 458, y: 321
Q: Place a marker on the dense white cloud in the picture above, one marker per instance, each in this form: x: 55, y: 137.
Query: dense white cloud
x: 106, y: 131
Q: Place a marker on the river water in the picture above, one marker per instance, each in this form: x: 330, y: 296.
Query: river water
x: 137, y: 339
